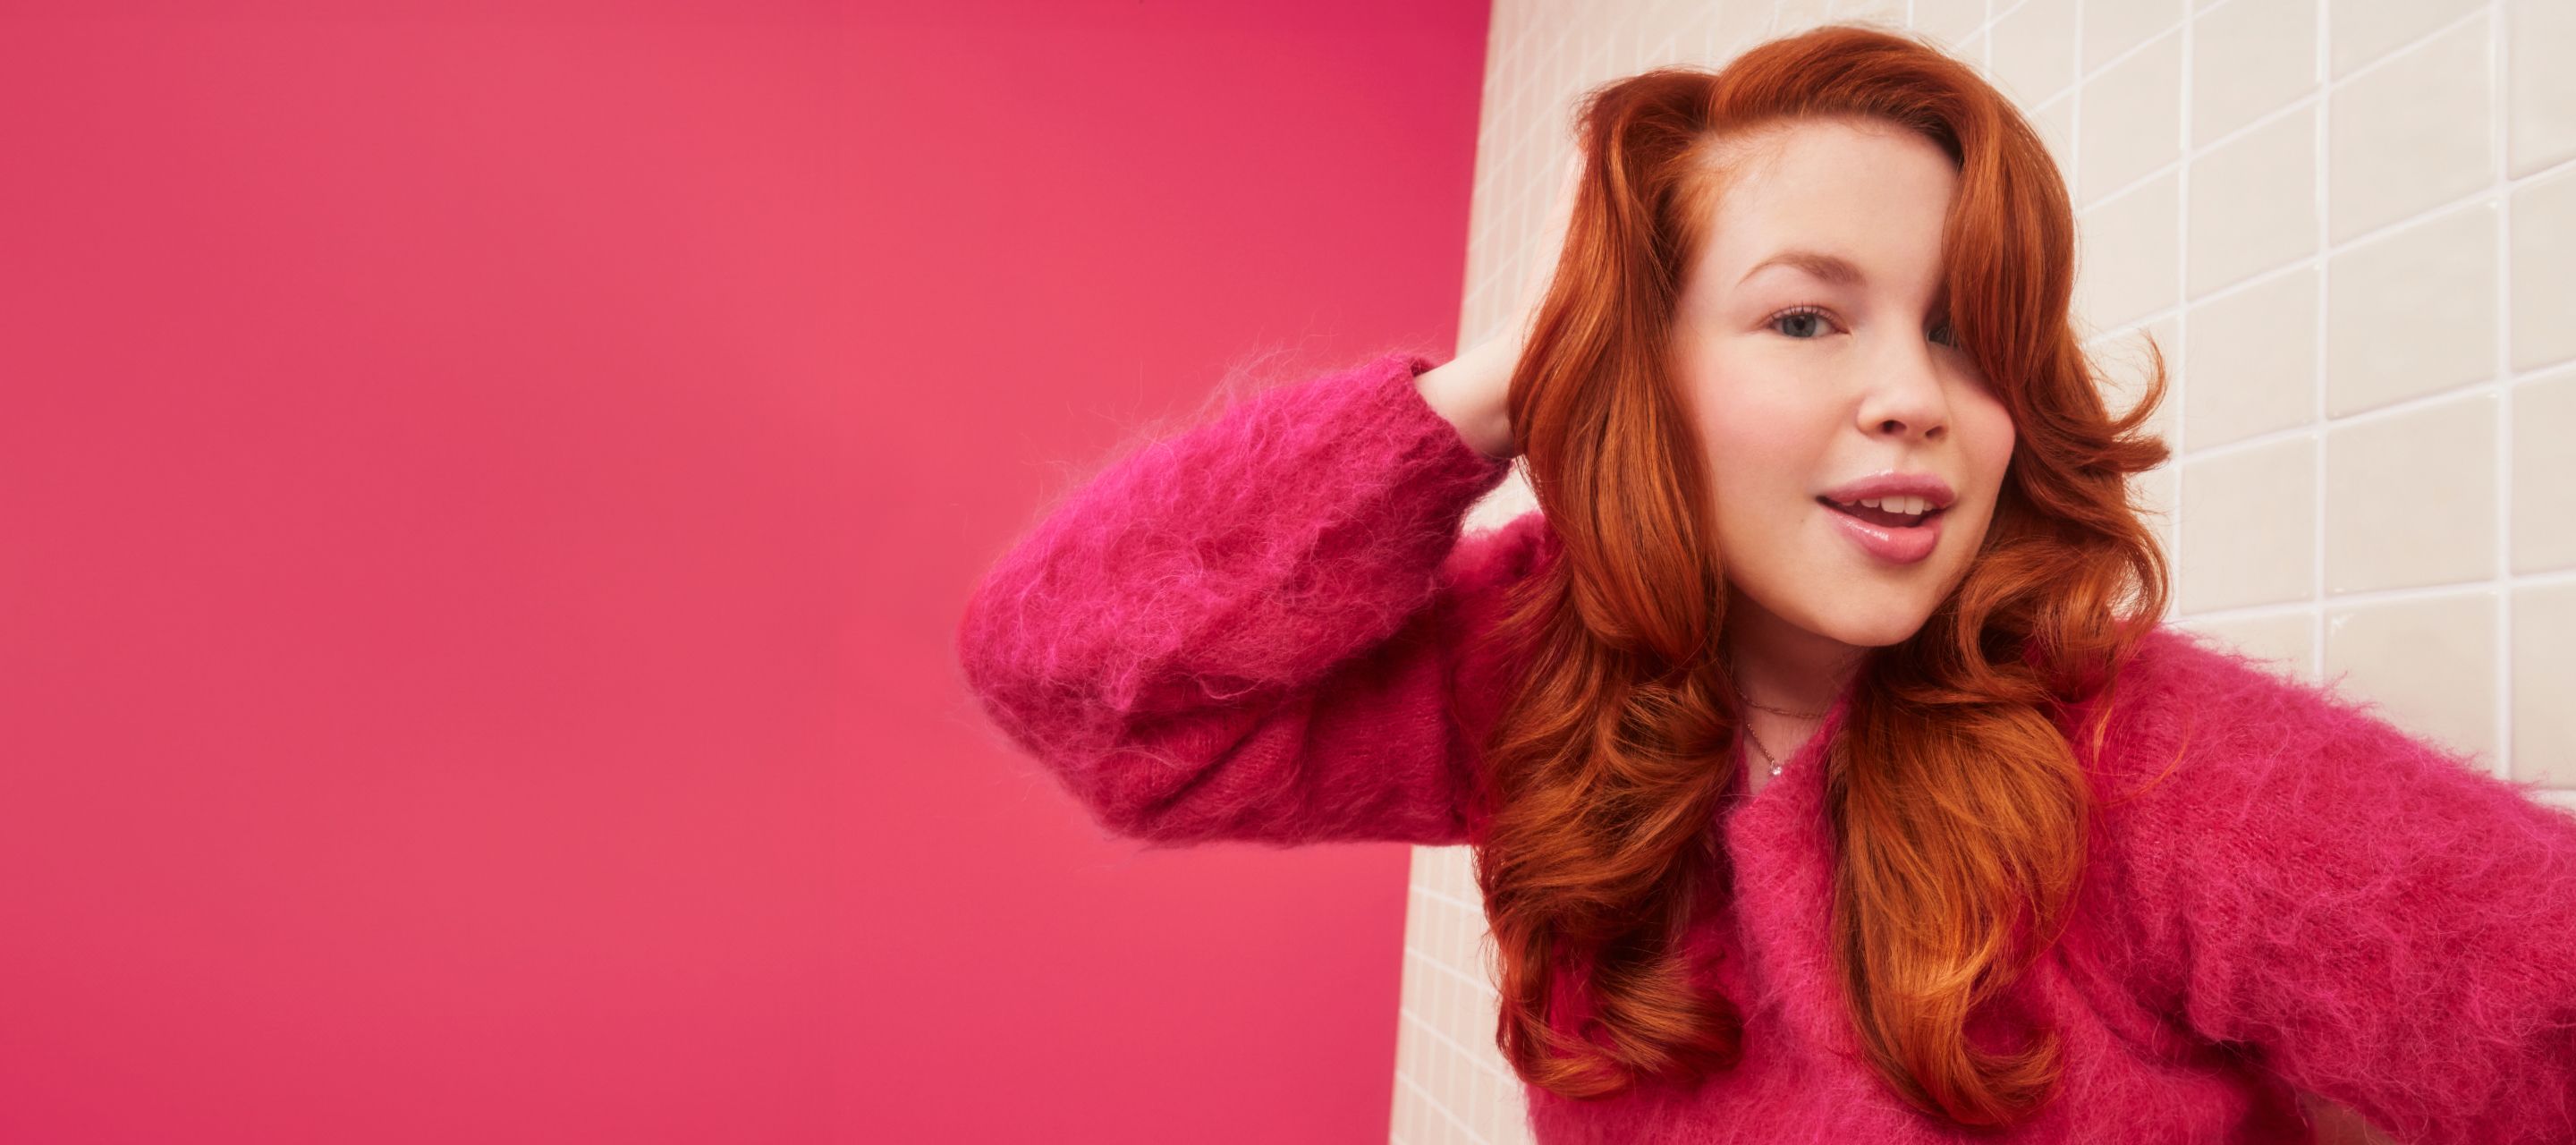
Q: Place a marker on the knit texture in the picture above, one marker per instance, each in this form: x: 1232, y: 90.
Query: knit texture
x: 1245, y: 631
x: 1258, y: 629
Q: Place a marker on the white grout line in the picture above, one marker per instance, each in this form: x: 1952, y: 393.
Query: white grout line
x: 2182, y: 318
x: 1436, y: 896
x: 1464, y: 978
x: 2499, y: 95
x: 2075, y: 108
x: 1479, y: 1060
x: 2398, y: 408
x: 1437, y: 1106
x: 2422, y: 592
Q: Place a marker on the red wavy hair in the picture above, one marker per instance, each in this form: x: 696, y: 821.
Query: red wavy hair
x: 1959, y: 808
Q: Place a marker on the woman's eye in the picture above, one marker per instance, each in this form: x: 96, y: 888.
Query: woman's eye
x: 1807, y: 313
x: 1950, y: 330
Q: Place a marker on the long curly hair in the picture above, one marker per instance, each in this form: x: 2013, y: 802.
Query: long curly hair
x: 1959, y: 809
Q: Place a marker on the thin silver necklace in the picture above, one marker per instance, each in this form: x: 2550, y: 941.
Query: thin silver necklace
x: 1773, y: 760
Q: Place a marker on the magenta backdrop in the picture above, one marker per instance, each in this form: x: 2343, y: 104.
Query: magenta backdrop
x: 486, y: 492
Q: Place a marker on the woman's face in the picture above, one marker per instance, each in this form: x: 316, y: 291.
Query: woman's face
x: 1803, y: 380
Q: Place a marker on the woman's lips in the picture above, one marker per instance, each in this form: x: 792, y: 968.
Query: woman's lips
x: 1895, y: 544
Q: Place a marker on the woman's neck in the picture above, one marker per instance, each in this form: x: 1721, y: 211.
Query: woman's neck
x: 1780, y: 665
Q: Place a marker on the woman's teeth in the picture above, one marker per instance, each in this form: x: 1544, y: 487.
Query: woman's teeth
x: 1892, y: 512
x: 1910, y: 506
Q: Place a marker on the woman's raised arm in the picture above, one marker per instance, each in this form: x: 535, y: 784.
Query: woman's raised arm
x: 1248, y: 630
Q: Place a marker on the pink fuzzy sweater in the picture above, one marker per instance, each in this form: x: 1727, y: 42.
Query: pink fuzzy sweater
x: 1251, y: 631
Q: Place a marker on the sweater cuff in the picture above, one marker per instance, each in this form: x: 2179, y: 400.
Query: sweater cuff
x: 1456, y: 462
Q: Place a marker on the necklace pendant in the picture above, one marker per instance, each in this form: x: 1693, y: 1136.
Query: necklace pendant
x: 1775, y: 768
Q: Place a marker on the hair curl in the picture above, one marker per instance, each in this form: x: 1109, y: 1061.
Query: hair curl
x: 1959, y: 810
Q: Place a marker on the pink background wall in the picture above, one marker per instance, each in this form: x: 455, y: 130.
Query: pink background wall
x: 487, y: 495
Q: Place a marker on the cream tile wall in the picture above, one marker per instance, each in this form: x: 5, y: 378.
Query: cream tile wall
x: 2351, y: 225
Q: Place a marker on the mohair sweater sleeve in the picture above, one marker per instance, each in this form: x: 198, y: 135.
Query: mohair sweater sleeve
x: 2368, y: 914
x: 1247, y: 630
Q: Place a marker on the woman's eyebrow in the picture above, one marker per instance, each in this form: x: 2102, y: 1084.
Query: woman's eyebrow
x: 1830, y: 267
x: 1835, y: 269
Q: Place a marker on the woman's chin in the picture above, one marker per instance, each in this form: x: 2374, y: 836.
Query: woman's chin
x: 1874, y: 627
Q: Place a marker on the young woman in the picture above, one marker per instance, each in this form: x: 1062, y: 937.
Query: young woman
x: 1829, y: 773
